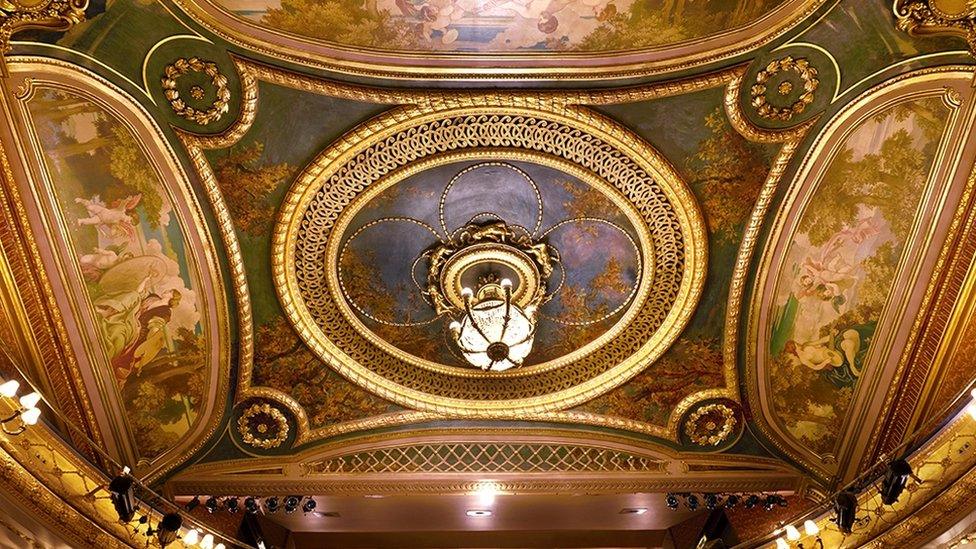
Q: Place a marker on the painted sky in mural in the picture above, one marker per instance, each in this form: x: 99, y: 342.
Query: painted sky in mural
x: 841, y: 265
x: 594, y: 281
x: 502, y: 25
x: 131, y: 253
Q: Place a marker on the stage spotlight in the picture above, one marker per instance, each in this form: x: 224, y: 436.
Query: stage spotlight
x: 271, y: 504
x: 781, y: 501
x: 169, y: 529
x: 770, y: 502
x: 895, y: 480
x: 672, y: 502
x: 752, y: 501
x: 692, y: 502
x: 123, y: 498
x: 193, y: 503
x: 291, y: 504
x: 845, y: 506
x: 731, y: 501
x: 308, y: 506
x: 231, y: 504
x: 711, y: 501
x: 251, y: 505
x: 212, y: 504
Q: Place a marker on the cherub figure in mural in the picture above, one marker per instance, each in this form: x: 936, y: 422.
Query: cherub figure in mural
x: 117, y: 219
x: 828, y: 275
x: 823, y: 353
x: 434, y: 15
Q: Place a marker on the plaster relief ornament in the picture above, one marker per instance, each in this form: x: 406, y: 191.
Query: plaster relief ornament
x: 263, y: 426
x: 711, y: 425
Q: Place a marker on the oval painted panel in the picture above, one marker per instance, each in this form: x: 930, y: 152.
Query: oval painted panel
x: 411, y: 37
x: 139, y: 281
x: 841, y: 265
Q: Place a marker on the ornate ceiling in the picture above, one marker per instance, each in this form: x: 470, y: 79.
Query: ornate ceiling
x: 241, y: 235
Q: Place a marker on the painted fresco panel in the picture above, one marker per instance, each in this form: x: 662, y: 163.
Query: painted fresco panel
x: 141, y: 288
x: 479, y: 26
x: 841, y: 265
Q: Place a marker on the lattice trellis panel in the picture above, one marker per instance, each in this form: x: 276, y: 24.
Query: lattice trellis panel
x: 486, y: 458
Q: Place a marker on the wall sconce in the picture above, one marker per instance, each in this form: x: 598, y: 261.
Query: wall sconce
x: 28, y: 413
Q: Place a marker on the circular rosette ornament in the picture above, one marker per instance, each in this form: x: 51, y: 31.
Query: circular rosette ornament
x: 196, y: 90
x: 715, y: 424
x: 262, y: 425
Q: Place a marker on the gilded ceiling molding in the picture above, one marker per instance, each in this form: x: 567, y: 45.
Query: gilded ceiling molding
x: 945, y: 464
x: 58, y: 487
x: 921, y: 83
x: 930, y: 349
x: 44, y: 338
x: 572, y: 128
x: 52, y: 15
x: 935, y: 17
x: 518, y: 460
x: 250, y: 72
x: 36, y: 73
x: 360, y: 61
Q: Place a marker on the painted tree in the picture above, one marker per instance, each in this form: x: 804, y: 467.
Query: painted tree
x: 342, y: 21
x: 891, y: 181
x: 246, y: 182
x: 728, y: 172
x: 283, y: 362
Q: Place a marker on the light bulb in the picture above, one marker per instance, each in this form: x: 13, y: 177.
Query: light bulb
x: 207, y: 542
x: 506, y: 283
x: 219, y: 546
x: 30, y: 400
x: 467, y: 292
x: 792, y: 533
x: 971, y: 410
x: 455, y: 326
x: 811, y: 528
x: 781, y: 544
x: 31, y: 416
x: 191, y: 537
x: 973, y: 393
x: 9, y: 388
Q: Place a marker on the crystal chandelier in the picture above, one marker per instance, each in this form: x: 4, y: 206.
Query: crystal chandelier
x: 490, y: 279
x: 494, y: 333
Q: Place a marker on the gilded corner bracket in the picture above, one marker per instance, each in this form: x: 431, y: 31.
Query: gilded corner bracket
x: 934, y: 17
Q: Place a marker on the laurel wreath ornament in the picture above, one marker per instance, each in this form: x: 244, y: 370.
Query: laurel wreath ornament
x: 263, y: 426
x: 710, y: 425
x: 181, y: 67
x: 808, y: 79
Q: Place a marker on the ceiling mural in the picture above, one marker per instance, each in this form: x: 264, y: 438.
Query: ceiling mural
x: 290, y: 240
x: 595, y: 275
x: 139, y: 280
x: 502, y: 26
x: 136, y: 270
x: 400, y: 37
x: 841, y: 264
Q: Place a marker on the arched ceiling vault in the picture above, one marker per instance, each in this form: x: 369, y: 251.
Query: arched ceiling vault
x: 741, y: 238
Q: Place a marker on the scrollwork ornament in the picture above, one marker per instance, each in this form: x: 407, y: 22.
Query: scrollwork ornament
x: 711, y: 425
x: 921, y: 17
x: 181, y: 67
x: 53, y: 15
x: 760, y: 92
x: 263, y: 426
